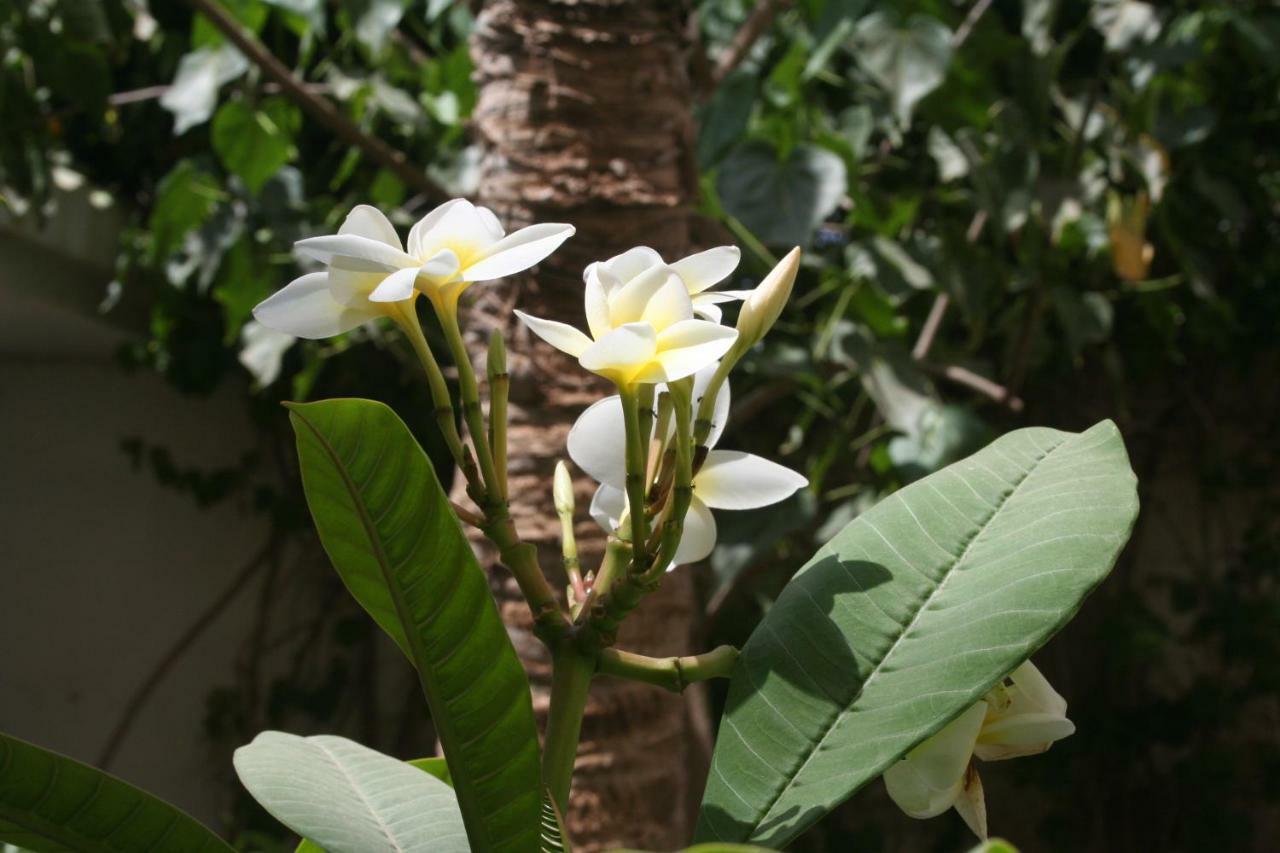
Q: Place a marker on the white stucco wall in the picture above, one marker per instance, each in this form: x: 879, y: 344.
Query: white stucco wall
x: 101, y: 568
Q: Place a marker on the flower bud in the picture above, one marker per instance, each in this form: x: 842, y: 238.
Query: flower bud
x: 562, y: 490
x: 763, y: 305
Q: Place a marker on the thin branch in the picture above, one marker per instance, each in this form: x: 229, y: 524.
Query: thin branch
x: 970, y: 21
x: 931, y: 324
x: 150, y: 93
x: 981, y: 384
x: 319, y: 109
x: 149, y: 684
x: 755, y: 26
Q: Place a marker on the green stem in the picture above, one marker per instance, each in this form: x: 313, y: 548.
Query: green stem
x: 469, y: 392
x: 682, y: 491
x: 674, y: 673
x: 499, y: 388
x: 635, y: 475
x: 407, y: 319
x: 521, y: 558
x: 571, y: 671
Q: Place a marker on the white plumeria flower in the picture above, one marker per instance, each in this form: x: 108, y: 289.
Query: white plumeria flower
x: 728, y: 479
x: 1023, y: 715
x: 642, y: 330
x: 700, y: 272
x: 370, y: 274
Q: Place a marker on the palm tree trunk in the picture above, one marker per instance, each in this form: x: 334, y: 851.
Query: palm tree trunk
x: 584, y: 117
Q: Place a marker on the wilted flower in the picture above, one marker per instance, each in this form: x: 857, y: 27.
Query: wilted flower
x: 728, y: 479
x: 1023, y: 715
x: 370, y: 274
x: 643, y: 329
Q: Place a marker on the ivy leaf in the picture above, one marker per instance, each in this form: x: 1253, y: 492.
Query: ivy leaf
x: 908, y: 61
x: 184, y: 200
x: 255, y: 143
x: 375, y: 19
x: 782, y: 200
x: 193, y: 94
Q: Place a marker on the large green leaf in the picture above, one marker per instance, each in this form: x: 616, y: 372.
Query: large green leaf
x: 51, y: 803
x: 347, y: 798
x: 392, y: 536
x: 907, y: 617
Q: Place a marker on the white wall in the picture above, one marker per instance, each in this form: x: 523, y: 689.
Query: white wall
x: 101, y: 568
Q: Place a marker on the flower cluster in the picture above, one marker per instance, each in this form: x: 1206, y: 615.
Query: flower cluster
x: 651, y: 324
x: 1023, y: 715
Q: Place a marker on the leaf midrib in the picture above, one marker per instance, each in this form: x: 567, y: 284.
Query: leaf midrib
x: 841, y: 712
x: 355, y: 786
x: 462, y: 783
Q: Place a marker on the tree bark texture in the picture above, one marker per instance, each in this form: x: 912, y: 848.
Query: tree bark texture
x: 584, y: 115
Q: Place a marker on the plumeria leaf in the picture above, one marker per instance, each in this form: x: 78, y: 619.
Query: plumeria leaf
x: 907, y: 618
x: 51, y: 803
x: 389, y: 530
x: 346, y: 798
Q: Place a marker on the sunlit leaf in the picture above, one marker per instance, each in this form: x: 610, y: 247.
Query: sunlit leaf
x: 193, y: 94
x: 347, y: 798
x: 909, y: 61
x: 255, y: 142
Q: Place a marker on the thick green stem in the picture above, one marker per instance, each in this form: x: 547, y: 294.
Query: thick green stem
x: 571, y: 671
x: 521, y: 558
x: 635, y: 475
x: 674, y: 673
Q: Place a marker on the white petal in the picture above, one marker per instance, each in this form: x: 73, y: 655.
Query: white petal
x: 1023, y: 734
x: 519, y: 251
x: 353, y: 252
x: 717, y: 297
x: 262, y: 350
x: 1030, y: 684
x: 632, y: 262
x: 688, y: 346
x: 598, y: 441
x: 708, y: 311
x: 972, y: 803
x: 622, y: 352
x: 427, y: 224
x: 562, y: 336
x: 306, y: 309
x: 719, y: 415
x: 351, y: 288
x: 596, y: 299
x: 655, y: 296
x: 491, y: 223
x: 709, y: 268
x: 443, y: 264
x: 367, y: 221
x: 699, y: 537
x: 607, y: 506
x: 930, y: 778
x: 731, y: 479
x: 396, y: 287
